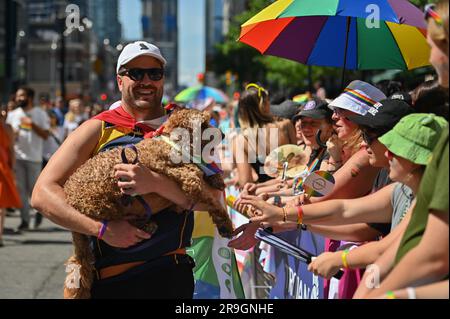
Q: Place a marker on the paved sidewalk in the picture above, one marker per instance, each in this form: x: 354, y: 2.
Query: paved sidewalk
x: 32, y: 263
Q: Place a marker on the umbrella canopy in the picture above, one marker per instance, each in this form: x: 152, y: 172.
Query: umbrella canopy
x: 201, y: 93
x: 362, y: 34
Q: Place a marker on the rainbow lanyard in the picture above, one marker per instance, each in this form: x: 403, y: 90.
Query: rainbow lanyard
x: 313, y: 165
x: 298, y: 182
x: 209, y: 169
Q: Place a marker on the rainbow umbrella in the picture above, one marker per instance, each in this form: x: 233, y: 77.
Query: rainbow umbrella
x: 201, y: 93
x: 351, y: 34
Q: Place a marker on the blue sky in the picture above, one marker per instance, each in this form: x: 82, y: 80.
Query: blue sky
x: 191, y: 37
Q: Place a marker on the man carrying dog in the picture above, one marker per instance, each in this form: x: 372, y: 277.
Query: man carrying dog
x: 129, y: 262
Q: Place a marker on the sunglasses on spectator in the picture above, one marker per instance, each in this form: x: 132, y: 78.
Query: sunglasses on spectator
x: 368, y: 138
x: 431, y: 13
x: 136, y: 74
x: 259, y: 88
x: 340, y: 113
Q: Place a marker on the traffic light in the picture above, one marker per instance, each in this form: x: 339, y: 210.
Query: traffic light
x: 201, y: 78
x: 103, y: 97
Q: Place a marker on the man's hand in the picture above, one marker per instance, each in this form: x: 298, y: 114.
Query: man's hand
x: 136, y: 179
x: 121, y: 234
x: 326, y: 265
x: 247, y: 239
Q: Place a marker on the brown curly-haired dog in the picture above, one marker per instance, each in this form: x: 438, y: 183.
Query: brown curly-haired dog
x: 93, y: 191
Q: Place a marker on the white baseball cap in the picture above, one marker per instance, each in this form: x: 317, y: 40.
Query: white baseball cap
x: 358, y: 97
x: 136, y: 49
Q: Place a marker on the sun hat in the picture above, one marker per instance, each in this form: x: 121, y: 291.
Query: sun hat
x: 358, y: 97
x: 383, y: 116
x: 415, y: 137
x: 136, y: 49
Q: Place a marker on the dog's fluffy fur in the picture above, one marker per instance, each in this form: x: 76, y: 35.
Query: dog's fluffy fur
x: 93, y: 191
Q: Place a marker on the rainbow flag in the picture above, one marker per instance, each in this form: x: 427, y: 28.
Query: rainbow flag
x: 216, y: 272
x: 302, y: 98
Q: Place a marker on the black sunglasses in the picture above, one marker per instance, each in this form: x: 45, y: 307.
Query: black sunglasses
x: 339, y: 113
x: 154, y: 74
x: 368, y: 138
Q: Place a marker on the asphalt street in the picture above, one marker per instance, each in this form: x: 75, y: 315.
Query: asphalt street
x: 32, y: 263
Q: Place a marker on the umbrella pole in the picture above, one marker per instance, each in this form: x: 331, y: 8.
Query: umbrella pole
x: 349, y: 19
x: 310, y: 84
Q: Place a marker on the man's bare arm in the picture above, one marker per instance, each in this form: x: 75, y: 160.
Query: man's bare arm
x: 48, y: 194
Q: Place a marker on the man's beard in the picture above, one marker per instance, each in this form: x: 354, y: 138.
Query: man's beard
x: 22, y: 103
x: 132, y: 100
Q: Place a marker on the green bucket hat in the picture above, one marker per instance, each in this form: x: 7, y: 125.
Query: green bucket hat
x: 415, y: 137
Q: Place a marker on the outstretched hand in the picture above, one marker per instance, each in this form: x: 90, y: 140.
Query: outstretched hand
x: 247, y: 239
x: 266, y: 215
x: 326, y: 265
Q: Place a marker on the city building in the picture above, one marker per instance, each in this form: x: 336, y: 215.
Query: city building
x: 12, y: 24
x: 105, y: 17
x: 63, y: 53
x: 160, y: 27
x: 219, y: 14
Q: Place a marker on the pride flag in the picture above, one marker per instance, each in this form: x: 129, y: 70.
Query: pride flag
x: 216, y: 273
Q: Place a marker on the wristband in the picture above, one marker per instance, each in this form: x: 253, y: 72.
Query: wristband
x: 277, y: 201
x: 411, y: 293
x: 344, y: 258
x: 102, y: 230
x: 299, y: 215
x: 390, y: 295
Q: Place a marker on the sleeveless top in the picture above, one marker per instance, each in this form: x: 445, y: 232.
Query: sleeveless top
x: 258, y: 166
x: 174, y: 229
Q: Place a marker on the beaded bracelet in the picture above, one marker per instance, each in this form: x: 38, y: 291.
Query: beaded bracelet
x: 344, y: 258
x: 102, y: 230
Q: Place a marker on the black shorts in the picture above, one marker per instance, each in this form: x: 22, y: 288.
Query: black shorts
x: 164, y: 278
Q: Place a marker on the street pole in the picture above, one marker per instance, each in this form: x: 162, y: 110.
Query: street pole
x: 62, y: 58
x: 10, y: 22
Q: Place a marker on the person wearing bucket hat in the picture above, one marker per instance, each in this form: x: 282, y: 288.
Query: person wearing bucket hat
x: 425, y: 245
x: 356, y: 100
x: 392, y: 203
x: 356, y: 178
x: 414, y: 137
x: 379, y: 119
x: 410, y: 145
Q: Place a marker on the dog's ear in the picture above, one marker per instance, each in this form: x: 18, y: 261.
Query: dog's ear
x: 206, y: 117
